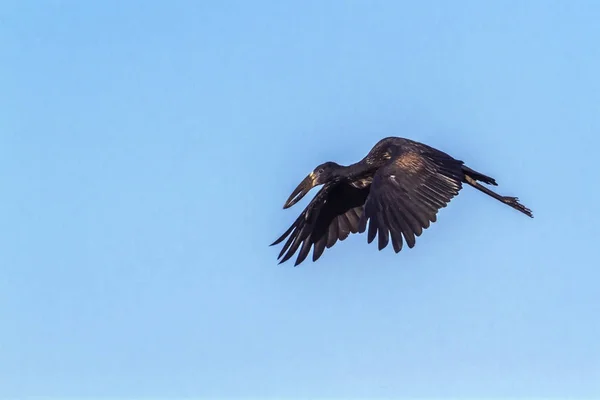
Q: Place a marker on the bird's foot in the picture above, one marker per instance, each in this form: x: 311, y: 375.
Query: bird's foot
x: 514, y: 203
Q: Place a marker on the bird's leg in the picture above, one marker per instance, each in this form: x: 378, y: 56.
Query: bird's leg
x: 510, y: 201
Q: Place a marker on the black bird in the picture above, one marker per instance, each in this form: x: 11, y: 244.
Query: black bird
x: 398, y: 188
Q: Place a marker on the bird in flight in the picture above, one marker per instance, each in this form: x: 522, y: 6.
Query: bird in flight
x: 397, y: 190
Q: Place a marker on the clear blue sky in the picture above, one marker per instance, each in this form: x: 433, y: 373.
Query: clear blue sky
x: 146, y: 150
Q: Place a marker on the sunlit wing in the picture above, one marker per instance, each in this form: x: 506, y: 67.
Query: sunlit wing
x: 407, y: 193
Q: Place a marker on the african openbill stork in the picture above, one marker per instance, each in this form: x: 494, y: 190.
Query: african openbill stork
x: 398, y: 188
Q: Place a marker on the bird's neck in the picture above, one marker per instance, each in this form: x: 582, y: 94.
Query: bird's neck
x: 354, y: 171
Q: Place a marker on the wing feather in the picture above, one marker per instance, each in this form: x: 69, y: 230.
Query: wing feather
x: 320, y: 246
x: 395, y: 232
x: 333, y: 234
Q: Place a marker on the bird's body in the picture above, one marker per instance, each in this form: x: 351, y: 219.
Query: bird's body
x: 393, y: 193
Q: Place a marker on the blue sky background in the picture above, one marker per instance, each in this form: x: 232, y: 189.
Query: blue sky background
x: 146, y: 150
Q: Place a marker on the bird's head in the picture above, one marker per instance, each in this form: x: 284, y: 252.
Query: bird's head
x: 320, y: 175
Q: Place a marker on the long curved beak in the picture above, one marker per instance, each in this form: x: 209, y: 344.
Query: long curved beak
x: 301, y: 191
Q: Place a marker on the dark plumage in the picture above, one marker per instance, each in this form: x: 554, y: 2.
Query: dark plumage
x: 394, y: 193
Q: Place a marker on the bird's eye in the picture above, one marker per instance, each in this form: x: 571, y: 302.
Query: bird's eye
x: 320, y: 171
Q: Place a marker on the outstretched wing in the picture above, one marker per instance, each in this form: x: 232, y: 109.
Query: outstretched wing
x: 332, y: 215
x: 407, y: 193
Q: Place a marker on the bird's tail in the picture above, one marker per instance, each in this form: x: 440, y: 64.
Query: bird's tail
x: 478, y: 176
